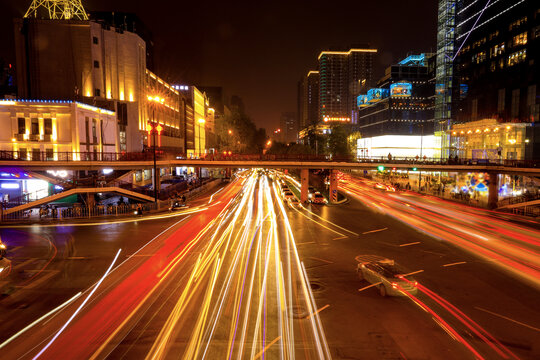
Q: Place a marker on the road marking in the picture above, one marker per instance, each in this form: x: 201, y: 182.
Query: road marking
x: 326, y: 261
x: 340, y: 238
x: 24, y: 263
x: 266, y: 348
x: 369, y: 286
x: 456, y: 263
x: 412, y: 273
x: 433, y: 252
x: 307, y: 242
x: 408, y: 244
x: 76, y: 258
x: 507, y: 318
x: 318, y: 311
x: 15, y: 249
x: 373, y: 231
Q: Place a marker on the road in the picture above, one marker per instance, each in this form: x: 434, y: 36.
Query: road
x: 238, y: 275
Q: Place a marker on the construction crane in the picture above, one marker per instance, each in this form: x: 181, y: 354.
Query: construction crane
x: 57, y: 9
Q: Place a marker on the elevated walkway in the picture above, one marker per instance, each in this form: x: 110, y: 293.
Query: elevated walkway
x: 520, y: 205
x: 55, y: 197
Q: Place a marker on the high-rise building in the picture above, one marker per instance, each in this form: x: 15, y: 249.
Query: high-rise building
x: 288, y: 126
x: 496, y: 77
x: 308, y: 100
x: 342, y: 76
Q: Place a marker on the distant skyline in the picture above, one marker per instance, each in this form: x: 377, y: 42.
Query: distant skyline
x: 259, y: 51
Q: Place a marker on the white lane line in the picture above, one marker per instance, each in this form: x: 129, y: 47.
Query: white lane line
x: 369, y: 286
x: 409, y: 244
x: 374, y: 231
x: 509, y: 319
x: 326, y: 261
x: 24, y: 263
x: 307, y: 242
x: 456, y: 263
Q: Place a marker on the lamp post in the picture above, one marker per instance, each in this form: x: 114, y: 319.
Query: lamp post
x: 153, y: 128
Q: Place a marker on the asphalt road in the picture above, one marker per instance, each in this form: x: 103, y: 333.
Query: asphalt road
x: 229, y: 281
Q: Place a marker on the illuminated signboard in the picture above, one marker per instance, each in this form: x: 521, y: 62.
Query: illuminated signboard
x: 376, y: 94
x: 463, y: 91
x: 361, y: 101
x: 401, y: 89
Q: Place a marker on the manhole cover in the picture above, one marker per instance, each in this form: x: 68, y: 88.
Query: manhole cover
x: 298, y: 312
x: 316, y: 286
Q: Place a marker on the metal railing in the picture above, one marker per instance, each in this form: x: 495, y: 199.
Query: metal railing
x: 161, y: 155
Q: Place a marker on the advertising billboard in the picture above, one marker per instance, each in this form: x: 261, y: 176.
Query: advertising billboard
x: 376, y: 94
x: 361, y: 101
x: 401, y: 89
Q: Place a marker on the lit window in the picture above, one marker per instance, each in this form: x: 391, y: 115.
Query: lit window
x: 520, y: 39
x: 517, y: 57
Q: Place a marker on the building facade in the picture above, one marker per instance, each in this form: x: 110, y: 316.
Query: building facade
x: 402, y: 103
x: 342, y: 76
x: 288, y: 127
x: 56, y: 130
x: 308, y: 99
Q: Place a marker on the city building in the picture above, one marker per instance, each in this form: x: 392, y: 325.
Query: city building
x: 342, y: 76
x: 56, y: 130
x: 85, y: 61
x: 400, y: 109
x: 308, y: 99
x: 490, y: 57
x: 288, y: 127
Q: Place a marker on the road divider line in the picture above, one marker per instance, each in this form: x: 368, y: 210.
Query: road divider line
x: 24, y: 263
x: 267, y: 347
x: 509, y: 319
x: 412, y: 273
x: 341, y: 238
x: 374, y: 231
x: 318, y: 311
x: 369, y: 286
x: 307, y: 242
x: 409, y: 244
x: 456, y: 263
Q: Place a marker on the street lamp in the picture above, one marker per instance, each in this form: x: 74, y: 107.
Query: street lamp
x: 154, y: 128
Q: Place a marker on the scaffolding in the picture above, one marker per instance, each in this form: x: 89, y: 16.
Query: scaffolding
x: 444, y: 72
x: 57, y: 9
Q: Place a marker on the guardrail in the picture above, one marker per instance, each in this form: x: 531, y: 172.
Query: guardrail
x: 6, y: 155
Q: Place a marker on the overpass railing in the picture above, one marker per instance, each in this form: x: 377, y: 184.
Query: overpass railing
x: 6, y: 155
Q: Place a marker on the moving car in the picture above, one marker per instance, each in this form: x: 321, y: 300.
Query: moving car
x: 3, y: 249
x: 388, y: 277
x: 177, y: 204
x: 287, y: 194
x: 318, y: 199
x: 379, y: 186
x: 293, y: 202
x: 311, y: 191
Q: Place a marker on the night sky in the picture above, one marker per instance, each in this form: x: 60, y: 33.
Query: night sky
x: 260, y: 49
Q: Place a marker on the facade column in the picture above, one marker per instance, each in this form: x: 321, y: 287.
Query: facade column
x: 493, y: 190
x: 333, y: 193
x: 304, y: 176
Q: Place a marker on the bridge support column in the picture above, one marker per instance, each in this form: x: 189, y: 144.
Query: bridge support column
x: 333, y: 193
x: 493, y: 190
x: 304, y: 177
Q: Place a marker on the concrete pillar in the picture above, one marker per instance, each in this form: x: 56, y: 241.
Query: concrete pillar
x: 333, y: 193
x: 304, y: 176
x: 493, y: 190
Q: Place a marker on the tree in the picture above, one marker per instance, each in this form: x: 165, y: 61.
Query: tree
x: 337, y: 141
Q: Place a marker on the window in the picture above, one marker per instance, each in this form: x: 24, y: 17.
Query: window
x: 517, y: 23
x: 95, y: 40
x: 479, y: 57
x: 97, y: 92
x: 500, y: 101
x: 49, y: 154
x: 35, y: 126
x: 96, y: 64
x: 520, y: 39
x: 94, y: 131
x: 493, y: 35
x: 36, y: 154
x: 23, y: 153
x: 48, y: 126
x: 515, y: 104
x: 496, y: 50
x: 22, y: 125
x: 517, y: 57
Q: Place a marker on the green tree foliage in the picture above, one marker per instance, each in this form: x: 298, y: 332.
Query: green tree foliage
x: 337, y: 141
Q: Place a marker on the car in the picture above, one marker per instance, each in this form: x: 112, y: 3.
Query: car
x: 390, y: 188
x: 293, y: 202
x: 379, y: 186
x: 318, y: 198
x: 287, y: 194
x: 311, y: 191
x: 177, y: 204
x: 389, y: 278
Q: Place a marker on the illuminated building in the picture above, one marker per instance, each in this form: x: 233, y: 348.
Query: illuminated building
x: 56, y: 129
x: 400, y: 146
x: 491, y: 64
x: 89, y: 62
x: 308, y: 99
x: 342, y: 75
x: 492, y: 140
x: 196, y: 106
x: 164, y: 106
x: 402, y: 103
